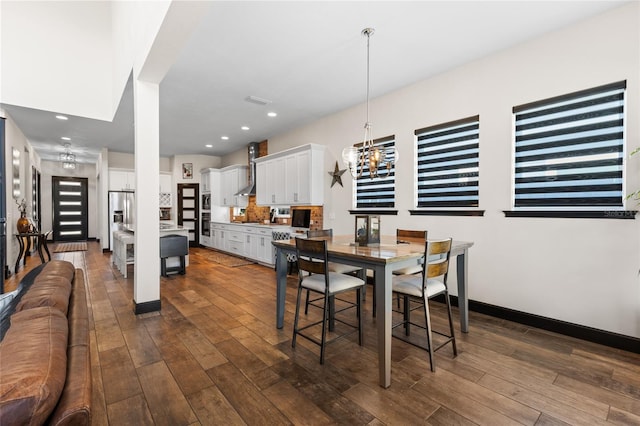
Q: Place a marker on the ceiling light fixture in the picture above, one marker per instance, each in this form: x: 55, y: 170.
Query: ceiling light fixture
x: 245, y: 127
x: 209, y: 145
x: 272, y: 114
x: 225, y: 138
x: 62, y: 117
x: 65, y: 138
x: 367, y: 155
x: 67, y: 158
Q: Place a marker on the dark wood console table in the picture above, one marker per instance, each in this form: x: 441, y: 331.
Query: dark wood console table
x: 24, y: 239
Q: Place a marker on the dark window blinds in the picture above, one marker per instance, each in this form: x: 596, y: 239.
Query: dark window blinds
x: 378, y: 192
x: 569, y: 150
x: 447, y: 160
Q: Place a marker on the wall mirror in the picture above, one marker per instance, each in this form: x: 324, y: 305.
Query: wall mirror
x: 15, y: 171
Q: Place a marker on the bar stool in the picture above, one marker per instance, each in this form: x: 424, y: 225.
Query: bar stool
x: 173, y: 246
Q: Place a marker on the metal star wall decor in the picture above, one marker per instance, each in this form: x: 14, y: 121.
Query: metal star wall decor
x: 336, y: 175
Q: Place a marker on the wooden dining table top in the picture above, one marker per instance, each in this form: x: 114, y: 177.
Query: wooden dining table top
x: 389, y: 250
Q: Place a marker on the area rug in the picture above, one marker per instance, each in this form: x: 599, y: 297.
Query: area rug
x: 227, y: 260
x: 64, y: 247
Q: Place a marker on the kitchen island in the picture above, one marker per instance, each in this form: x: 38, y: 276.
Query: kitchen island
x: 123, y: 246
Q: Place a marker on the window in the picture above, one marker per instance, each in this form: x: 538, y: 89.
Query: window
x: 569, y: 150
x: 447, y: 160
x: 378, y: 192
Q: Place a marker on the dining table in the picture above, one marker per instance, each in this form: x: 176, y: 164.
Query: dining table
x: 382, y: 258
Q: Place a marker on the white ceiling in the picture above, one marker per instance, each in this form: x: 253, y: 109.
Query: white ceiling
x: 309, y: 59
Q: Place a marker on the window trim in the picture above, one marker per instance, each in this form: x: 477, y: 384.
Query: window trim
x: 445, y: 210
x: 573, y: 214
x: 571, y: 211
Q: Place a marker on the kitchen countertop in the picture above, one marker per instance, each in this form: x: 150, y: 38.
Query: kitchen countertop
x: 164, y: 227
x: 266, y: 225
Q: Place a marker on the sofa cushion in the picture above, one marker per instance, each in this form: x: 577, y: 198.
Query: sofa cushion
x: 51, y: 291
x: 53, y: 268
x: 33, y: 362
x: 25, y: 284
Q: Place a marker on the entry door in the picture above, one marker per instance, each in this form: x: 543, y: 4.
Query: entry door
x: 70, y: 213
x: 188, y: 211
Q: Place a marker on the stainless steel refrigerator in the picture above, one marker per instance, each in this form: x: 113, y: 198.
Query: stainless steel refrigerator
x: 121, y: 212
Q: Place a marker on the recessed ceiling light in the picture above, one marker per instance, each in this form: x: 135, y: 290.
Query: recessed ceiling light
x: 225, y: 138
x: 245, y: 127
x: 272, y: 114
x: 62, y: 117
x: 209, y: 145
x: 65, y: 138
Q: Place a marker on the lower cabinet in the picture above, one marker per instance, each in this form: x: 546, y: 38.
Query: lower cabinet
x: 252, y: 242
x: 266, y: 251
x: 205, y: 240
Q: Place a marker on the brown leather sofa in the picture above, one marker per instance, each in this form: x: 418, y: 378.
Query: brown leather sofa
x: 45, y: 369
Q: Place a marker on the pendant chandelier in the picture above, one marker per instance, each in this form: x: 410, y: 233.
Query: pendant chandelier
x: 67, y: 158
x: 367, y: 156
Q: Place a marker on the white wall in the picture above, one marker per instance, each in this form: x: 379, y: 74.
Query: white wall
x: 583, y: 271
x: 14, y: 138
x: 78, y: 69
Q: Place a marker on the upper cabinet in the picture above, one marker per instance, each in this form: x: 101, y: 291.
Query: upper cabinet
x: 122, y: 180
x: 205, y: 181
x: 165, y: 183
x: 293, y: 177
x: 233, y: 179
x: 270, y: 178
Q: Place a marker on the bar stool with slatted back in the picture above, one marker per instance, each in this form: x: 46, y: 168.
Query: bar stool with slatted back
x: 314, y: 275
x: 401, y: 235
x: 422, y: 287
x: 340, y: 268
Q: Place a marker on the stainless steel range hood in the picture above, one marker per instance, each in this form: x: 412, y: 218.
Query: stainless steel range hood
x: 252, y: 155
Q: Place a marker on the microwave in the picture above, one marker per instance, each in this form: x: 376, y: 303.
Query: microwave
x: 206, y: 201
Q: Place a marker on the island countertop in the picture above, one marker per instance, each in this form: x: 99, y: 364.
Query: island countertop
x: 164, y: 228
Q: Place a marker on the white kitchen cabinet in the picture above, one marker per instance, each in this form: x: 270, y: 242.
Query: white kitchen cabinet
x: 251, y: 245
x: 210, y: 184
x: 297, y: 184
x: 291, y: 177
x: 270, y: 182
x: 264, y: 249
x: 218, y: 237
x: 215, y: 185
x: 205, y: 240
x: 233, y: 179
x: 122, y: 180
x: 166, y: 200
x: 165, y: 183
x: 205, y: 181
x: 245, y: 240
x: 235, y: 242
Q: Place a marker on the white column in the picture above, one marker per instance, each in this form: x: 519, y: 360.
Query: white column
x: 146, y: 281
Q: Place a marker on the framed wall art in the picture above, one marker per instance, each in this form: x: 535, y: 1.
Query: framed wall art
x: 187, y: 170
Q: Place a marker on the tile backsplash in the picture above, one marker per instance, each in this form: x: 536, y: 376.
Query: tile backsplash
x: 259, y: 214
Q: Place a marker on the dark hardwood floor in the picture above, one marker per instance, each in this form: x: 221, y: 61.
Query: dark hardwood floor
x: 213, y: 356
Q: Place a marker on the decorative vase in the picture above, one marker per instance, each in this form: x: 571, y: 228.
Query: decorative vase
x: 23, y: 223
